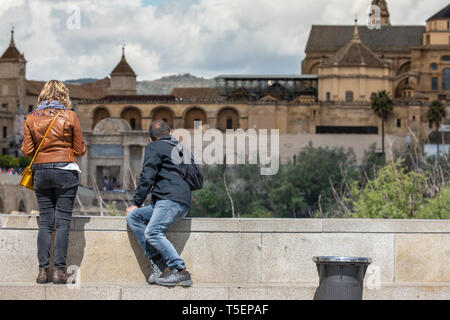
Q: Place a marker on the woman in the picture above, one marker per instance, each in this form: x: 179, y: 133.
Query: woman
x: 56, y: 172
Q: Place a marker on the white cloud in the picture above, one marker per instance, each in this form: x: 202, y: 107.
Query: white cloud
x: 204, y: 37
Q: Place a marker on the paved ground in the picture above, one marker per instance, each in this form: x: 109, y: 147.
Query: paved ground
x: 211, y: 291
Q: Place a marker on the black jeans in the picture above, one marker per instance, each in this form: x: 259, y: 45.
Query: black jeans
x: 55, y: 190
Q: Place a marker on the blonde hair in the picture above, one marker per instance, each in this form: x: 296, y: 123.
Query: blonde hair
x: 55, y: 90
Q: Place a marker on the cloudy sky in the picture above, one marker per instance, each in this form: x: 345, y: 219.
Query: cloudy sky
x: 83, y: 38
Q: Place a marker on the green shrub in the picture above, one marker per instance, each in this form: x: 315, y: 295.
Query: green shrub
x: 438, y: 207
x: 394, y: 194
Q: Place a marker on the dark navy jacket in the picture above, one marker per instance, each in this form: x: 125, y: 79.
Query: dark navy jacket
x: 159, y: 172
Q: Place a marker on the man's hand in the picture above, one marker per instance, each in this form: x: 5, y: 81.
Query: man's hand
x: 129, y: 209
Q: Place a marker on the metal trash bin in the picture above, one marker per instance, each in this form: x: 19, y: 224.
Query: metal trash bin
x: 341, y: 278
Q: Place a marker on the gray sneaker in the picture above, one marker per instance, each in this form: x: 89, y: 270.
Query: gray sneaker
x: 175, y: 278
x: 158, y: 267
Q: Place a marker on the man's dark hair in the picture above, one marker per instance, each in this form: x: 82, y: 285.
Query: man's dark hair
x: 159, y: 129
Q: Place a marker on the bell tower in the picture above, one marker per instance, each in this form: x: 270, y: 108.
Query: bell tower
x: 123, y: 78
x: 12, y: 80
x: 384, y: 11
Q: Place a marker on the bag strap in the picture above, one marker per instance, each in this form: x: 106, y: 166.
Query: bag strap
x: 46, y: 133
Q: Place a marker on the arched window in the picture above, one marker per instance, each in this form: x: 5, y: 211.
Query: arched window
x: 349, y: 96
x: 192, y: 116
x: 163, y: 113
x: 446, y: 58
x: 446, y: 79
x: 133, y: 116
x: 434, y: 66
x: 99, y: 114
x: 228, y: 118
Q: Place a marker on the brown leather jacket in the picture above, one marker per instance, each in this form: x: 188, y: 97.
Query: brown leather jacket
x: 63, y: 142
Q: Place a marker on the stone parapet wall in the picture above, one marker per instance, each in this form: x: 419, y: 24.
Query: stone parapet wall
x: 241, y: 251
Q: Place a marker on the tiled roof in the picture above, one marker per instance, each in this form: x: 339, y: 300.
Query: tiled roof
x: 443, y: 14
x: 195, y: 93
x: 76, y: 91
x: 123, y: 68
x: 329, y: 38
x: 11, y: 52
x: 137, y: 98
x: 355, y: 54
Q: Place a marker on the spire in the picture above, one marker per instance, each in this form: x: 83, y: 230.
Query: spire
x: 356, y: 32
x: 123, y: 67
x: 11, y: 42
x: 11, y: 53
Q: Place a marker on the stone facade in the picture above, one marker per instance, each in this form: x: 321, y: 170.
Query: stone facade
x: 344, y: 66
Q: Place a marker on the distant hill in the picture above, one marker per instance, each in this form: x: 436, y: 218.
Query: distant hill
x: 166, y: 84
x: 163, y: 85
x: 81, y: 81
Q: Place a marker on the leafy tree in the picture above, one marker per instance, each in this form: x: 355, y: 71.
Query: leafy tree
x: 307, y: 186
x: 394, y: 194
x: 7, y: 161
x: 382, y: 105
x: 211, y: 201
x: 24, y: 162
x: 436, y: 113
x: 371, y: 163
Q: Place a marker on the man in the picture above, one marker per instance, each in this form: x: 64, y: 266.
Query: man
x: 171, y: 199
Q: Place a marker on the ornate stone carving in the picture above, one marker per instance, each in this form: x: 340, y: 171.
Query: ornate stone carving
x: 111, y: 126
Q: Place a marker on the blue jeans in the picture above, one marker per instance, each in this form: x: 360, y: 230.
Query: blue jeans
x: 150, y: 225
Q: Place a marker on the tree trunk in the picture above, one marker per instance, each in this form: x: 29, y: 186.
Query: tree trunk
x: 228, y: 193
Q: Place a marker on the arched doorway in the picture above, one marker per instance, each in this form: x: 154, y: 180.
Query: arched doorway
x: 132, y: 115
x: 228, y: 118
x: 99, y: 114
x: 163, y: 113
x: 193, y: 115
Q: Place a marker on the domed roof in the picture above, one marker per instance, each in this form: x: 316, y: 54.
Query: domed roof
x: 355, y: 53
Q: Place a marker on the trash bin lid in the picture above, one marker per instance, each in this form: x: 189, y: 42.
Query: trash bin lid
x: 330, y: 259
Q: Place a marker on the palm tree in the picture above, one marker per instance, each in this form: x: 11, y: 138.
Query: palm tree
x: 436, y: 113
x: 382, y: 105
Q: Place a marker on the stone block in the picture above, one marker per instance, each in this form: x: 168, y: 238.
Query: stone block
x: 13, y: 291
x: 177, y: 293
x: 288, y: 257
x: 273, y: 292
x: 422, y: 258
x: 89, y: 292
x: 220, y: 257
x: 419, y: 291
x: 386, y: 226
x: 18, y: 256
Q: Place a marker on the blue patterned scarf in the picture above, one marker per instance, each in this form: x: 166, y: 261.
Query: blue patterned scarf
x: 51, y: 105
